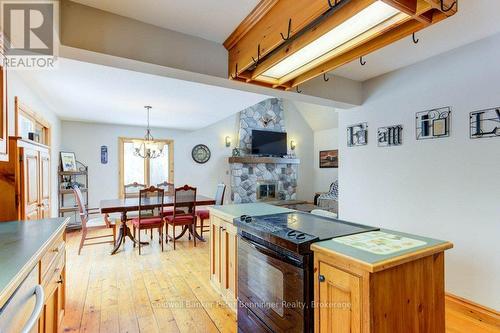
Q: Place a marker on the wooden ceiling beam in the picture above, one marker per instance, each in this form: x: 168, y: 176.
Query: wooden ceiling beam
x: 263, y: 29
x: 248, y: 23
x: 267, y: 30
x: 340, y: 16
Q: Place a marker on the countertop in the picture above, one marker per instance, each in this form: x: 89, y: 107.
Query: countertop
x: 21, y: 243
x: 230, y: 212
x: 376, y: 262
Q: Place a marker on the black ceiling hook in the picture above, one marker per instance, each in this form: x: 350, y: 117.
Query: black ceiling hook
x: 255, y: 62
x: 361, y: 61
x: 289, y: 31
x: 325, y: 78
x: 445, y: 10
x: 299, y: 91
x: 235, y: 73
x: 415, y: 40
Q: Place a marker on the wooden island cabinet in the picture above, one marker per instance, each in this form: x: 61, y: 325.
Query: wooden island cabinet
x: 359, y: 292
x: 223, y: 258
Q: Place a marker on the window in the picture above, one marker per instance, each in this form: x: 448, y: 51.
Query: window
x: 150, y: 172
x: 28, y: 121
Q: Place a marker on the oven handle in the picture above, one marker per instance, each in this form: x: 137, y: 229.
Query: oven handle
x: 271, y: 253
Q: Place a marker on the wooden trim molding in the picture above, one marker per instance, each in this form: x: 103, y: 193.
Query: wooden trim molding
x: 466, y: 316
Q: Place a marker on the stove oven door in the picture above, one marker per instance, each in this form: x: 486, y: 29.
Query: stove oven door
x: 270, y: 290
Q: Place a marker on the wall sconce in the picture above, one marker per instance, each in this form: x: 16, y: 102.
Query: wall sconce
x: 228, y: 141
x: 292, y: 145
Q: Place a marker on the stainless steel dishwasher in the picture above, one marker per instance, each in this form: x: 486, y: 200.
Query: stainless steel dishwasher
x: 22, y: 310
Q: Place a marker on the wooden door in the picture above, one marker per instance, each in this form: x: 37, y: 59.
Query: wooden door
x: 339, y: 301
x: 30, y: 184
x: 45, y: 184
x: 229, y: 265
x: 215, y: 250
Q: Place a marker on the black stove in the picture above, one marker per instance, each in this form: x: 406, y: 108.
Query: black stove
x: 296, y: 231
x: 275, y: 269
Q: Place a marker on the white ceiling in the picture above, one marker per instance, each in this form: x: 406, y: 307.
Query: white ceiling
x: 214, y: 20
x: 94, y: 93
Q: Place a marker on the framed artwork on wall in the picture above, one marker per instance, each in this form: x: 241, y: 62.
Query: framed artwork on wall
x: 433, y: 124
x: 68, y: 162
x: 329, y: 159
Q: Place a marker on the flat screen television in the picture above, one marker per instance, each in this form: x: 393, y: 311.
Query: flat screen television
x: 269, y: 143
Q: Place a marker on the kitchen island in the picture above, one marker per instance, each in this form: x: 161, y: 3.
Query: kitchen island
x: 380, y: 281
x: 32, y: 278
x: 375, y: 280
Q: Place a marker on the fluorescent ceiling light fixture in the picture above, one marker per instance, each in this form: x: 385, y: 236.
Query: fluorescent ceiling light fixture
x: 368, y: 18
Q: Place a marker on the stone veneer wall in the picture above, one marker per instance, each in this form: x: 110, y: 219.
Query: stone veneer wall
x: 244, y: 177
x: 251, y: 118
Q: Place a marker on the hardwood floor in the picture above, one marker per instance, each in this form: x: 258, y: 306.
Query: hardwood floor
x: 154, y: 292
x: 162, y: 292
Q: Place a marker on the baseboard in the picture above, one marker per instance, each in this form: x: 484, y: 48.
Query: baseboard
x: 472, y: 313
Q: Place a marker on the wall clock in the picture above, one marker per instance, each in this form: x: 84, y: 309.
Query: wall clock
x: 200, y: 154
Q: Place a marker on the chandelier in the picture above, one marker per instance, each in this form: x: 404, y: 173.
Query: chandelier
x: 148, y: 148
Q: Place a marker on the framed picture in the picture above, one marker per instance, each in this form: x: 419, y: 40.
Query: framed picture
x: 68, y: 162
x: 329, y: 159
x: 433, y: 124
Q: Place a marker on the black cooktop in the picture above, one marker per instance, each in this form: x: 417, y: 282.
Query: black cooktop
x: 294, y: 230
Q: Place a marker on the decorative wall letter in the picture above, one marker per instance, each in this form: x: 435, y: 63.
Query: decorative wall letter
x: 390, y: 136
x: 485, y: 123
x: 357, y: 135
x: 433, y: 123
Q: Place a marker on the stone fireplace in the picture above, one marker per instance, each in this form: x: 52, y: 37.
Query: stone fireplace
x: 262, y: 178
x: 267, y: 190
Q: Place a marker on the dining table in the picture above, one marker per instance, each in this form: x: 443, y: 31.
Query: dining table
x: 124, y: 206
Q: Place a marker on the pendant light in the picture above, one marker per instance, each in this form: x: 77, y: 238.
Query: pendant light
x: 148, y: 148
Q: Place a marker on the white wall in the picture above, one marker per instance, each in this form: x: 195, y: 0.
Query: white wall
x: 298, y: 130
x: 85, y: 139
x: 324, y: 140
x: 445, y: 188
x: 16, y: 86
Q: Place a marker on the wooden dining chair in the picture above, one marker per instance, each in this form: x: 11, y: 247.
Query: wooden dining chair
x: 146, y: 221
x: 169, y: 189
x: 204, y: 214
x: 184, y: 198
x: 102, y: 222
x: 132, y: 190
